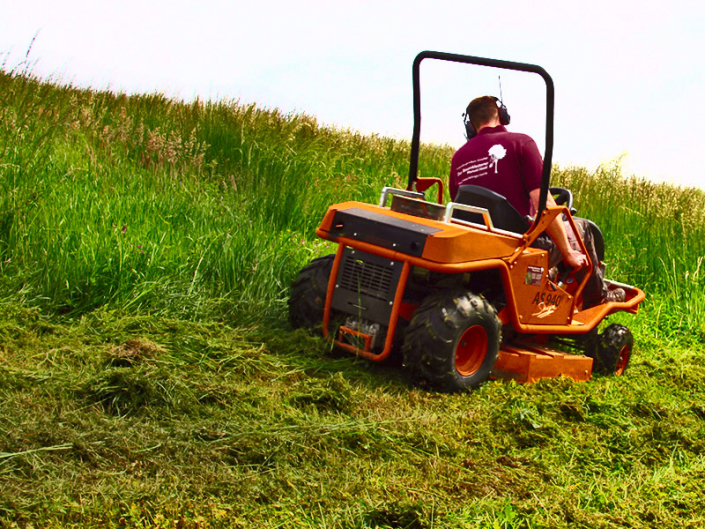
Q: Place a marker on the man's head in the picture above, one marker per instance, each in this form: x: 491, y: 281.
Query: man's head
x: 486, y: 111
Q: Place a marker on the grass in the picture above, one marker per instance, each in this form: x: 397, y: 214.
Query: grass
x: 138, y: 421
x: 655, y: 238
x: 149, y: 378
x: 142, y: 201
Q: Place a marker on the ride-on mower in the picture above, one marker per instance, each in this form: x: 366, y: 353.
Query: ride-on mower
x: 459, y: 288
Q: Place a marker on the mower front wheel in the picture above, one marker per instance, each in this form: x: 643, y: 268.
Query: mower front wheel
x: 613, y: 350
x: 452, y: 341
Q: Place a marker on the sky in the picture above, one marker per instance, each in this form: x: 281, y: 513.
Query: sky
x: 629, y: 75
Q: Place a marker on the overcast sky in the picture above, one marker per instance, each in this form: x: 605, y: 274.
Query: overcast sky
x: 629, y: 75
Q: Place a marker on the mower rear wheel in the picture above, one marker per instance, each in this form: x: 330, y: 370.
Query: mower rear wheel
x: 613, y: 351
x: 308, y: 293
x: 452, y: 341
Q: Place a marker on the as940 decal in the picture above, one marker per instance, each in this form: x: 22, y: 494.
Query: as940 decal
x: 546, y: 298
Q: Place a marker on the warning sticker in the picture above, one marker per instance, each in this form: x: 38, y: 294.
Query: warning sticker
x: 533, y: 275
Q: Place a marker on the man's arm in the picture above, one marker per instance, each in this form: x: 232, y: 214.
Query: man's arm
x: 452, y: 179
x: 556, y: 231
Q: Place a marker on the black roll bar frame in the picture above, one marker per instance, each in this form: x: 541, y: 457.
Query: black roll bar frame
x: 493, y: 63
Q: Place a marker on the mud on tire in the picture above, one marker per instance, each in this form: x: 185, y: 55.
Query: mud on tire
x: 452, y: 341
x: 308, y: 293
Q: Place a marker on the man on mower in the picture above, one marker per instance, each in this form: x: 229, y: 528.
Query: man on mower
x: 510, y: 164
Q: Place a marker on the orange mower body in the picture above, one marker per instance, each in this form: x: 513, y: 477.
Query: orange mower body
x: 458, y: 289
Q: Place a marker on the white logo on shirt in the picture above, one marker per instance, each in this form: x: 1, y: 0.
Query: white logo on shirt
x: 496, y: 152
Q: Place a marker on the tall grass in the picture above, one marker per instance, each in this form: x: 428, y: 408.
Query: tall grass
x: 655, y: 238
x: 162, y: 205
x: 147, y: 202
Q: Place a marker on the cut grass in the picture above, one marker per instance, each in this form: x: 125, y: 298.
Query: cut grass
x: 128, y: 420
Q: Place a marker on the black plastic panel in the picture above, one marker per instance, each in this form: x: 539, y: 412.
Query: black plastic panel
x: 381, y: 230
x: 365, y: 285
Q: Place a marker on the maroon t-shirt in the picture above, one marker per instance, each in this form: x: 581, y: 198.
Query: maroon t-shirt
x: 505, y: 162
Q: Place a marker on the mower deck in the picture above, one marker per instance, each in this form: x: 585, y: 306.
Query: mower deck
x: 527, y: 363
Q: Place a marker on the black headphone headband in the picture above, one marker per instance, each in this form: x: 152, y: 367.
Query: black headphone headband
x: 503, y: 113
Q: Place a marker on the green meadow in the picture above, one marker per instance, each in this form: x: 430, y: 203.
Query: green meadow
x: 149, y: 377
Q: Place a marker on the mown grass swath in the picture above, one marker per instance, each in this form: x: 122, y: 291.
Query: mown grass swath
x: 149, y: 378
x: 134, y: 421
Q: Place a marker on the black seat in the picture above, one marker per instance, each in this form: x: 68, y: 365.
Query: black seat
x: 597, y: 238
x: 504, y: 216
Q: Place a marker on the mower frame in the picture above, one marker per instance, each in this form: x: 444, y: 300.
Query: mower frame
x: 381, y: 249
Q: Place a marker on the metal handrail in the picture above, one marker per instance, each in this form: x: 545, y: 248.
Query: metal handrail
x: 449, y: 209
x: 386, y: 191
x: 453, y: 206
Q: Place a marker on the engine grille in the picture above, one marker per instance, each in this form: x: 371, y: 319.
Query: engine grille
x: 367, y: 278
x: 365, y: 285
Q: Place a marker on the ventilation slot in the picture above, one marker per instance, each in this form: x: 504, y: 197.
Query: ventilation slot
x: 366, y: 278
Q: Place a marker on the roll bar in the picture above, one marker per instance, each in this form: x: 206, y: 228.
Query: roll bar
x: 494, y: 63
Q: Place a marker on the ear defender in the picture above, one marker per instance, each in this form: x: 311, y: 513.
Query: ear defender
x: 470, y: 131
x: 504, y: 117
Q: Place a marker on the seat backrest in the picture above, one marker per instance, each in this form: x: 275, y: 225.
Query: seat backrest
x: 597, y: 238
x: 504, y: 216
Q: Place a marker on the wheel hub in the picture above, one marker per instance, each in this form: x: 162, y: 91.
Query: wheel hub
x: 622, y: 361
x: 471, y: 350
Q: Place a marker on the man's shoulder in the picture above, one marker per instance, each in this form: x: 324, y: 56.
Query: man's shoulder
x: 518, y: 137
x: 466, y: 149
x: 505, y: 137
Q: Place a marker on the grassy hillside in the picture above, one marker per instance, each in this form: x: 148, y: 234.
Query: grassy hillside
x: 142, y: 202
x: 149, y: 378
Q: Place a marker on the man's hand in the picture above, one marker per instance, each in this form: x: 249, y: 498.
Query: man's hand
x: 575, y: 260
x: 556, y: 231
